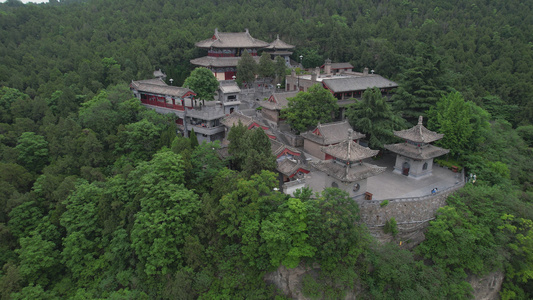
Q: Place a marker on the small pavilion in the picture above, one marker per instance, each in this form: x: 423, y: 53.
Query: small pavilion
x: 415, y: 156
x: 280, y: 48
x: 346, y: 170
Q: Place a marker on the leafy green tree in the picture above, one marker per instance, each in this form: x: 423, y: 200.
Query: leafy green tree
x: 451, y: 116
x: 310, y: 58
x: 375, y: 117
x: 333, y: 230
x: 8, y: 96
x: 10, y: 280
x: 250, y: 150
x: 308, y: 108
x: 266, y: 67
x: 193, y: 139
x: 33, y: 151
x: 82, y: 245
x: 423, y: 83
x: 203, y: 83
x: 244, y: 209
x: 39, y: 260
x: 246, y: 69
x: 285, y: 234
x: 258, y: 152
x: 280, y: 70
x: 139, y: 140
x: 206, y: 164
x: 237, y: 147
x: 166, y: 216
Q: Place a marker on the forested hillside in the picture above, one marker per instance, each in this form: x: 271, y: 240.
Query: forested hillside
x: 99, y: 199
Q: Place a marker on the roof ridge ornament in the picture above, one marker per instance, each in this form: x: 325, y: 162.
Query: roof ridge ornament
x: 350, y: 140
x: 420, y: 119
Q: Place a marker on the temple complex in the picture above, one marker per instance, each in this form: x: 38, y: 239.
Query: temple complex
x: 346, y: 169
x: 415, y: 156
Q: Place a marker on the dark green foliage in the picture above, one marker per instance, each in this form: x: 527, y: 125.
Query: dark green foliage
x: 246, y: 69
x: 193, y: 139
x: 309, y: 108
x: 64, y: 69
x: 203, y: 83
x: 250, y: 150
x: 423, y: 83
x: 32, y: 151
x: 266, y: 67
x: 391, y: 227
x: 374, y: 117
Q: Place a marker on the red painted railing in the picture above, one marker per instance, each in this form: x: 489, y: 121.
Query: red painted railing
x: 166, y: 105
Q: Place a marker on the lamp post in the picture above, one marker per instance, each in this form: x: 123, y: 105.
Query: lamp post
x: 171, y: 80
x: 278, y: 85
x: 301, y: 58
x: 233, y: 77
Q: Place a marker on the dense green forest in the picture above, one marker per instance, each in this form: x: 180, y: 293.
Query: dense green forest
x: 100, y: 200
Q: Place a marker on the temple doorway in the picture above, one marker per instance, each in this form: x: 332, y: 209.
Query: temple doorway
x: 405, y: 168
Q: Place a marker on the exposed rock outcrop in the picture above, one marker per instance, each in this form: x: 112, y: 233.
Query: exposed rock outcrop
x: 488, y: 286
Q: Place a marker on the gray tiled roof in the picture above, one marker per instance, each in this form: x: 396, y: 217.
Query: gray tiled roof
x: 211, y: 61
x: 288, y: 167
x: 234, y: 118
x: 277, y: 147
x: 357, y: 83
x: 159, y: 87
x: 353, y: 173
x: 332, y: 133
x: 349, y: 150
x: 227, y: 88
x: 280, y: 100
x: 279, y: 45
x: 231, y: 40
x: 425, y: 152
x: 419, y: 134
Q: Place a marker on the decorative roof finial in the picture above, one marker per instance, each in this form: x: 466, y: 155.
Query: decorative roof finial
x: 420, y: 120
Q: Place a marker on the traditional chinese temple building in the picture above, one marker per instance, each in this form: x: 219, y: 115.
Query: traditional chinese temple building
x: 271, y: 108
x: 340, y: 80
x: 250, y: 123
x: 346, y: 169
x: 415, y: 156
x: 156, y: 92
x: 165, y: 99
x: 325, y: 135
x: 280, y: 48
x: 224, y: 50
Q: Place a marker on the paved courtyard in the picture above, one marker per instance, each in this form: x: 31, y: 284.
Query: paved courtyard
x: 389, y: 185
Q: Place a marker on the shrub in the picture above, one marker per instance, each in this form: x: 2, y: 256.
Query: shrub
x: 391, y: 227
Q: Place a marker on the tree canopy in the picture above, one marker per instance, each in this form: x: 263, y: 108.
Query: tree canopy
x: 94, y: 206
x: 307, y: 109
x: 203, y: 83
x: 374, y: 117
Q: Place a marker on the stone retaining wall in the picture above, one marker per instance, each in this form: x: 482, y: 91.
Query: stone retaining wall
x: 404, y: 210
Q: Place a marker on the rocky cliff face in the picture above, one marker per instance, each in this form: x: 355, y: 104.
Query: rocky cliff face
x: 488, y: 286
x: 290, y: 282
